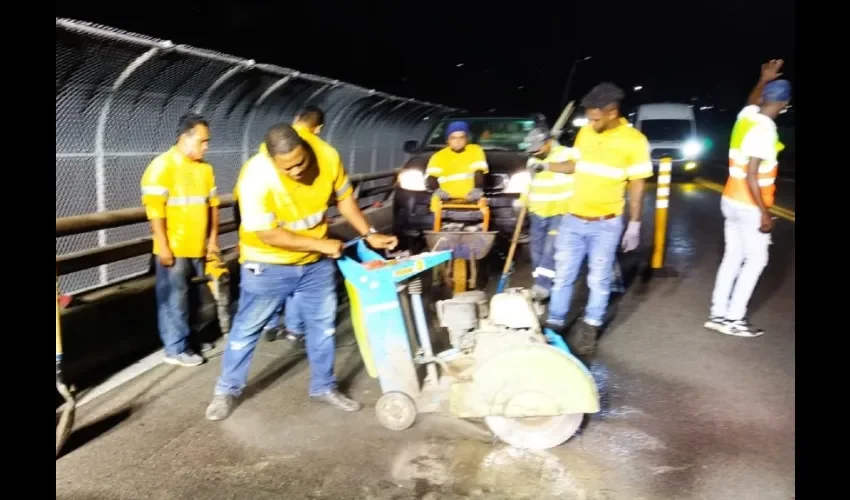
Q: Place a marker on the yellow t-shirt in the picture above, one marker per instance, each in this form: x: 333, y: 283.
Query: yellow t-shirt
x: 181, y: 191
x: 456, y: 171
x: 269, y: 199
x: 606, y: 161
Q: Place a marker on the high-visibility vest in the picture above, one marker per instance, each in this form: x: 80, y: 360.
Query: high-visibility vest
x: 740, y: 152
x: 549, y: 192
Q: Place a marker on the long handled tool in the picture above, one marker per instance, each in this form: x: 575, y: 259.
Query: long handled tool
x: 66, y: 421
x: 509, y: 261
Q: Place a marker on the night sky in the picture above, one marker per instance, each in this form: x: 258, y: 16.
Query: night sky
x: 483, y: 56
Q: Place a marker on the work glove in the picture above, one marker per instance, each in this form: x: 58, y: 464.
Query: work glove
x: 536, y: 167
x: 475, y: 194
x: 631, y: 238
x: 442, y: 195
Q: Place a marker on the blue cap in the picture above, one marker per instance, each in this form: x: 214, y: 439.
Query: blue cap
x: 457, y: 127
x: 776, y: 91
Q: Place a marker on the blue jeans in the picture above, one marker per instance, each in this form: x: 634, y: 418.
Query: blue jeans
x: 263, y: 290
x: 290, y: 315
x: 542, y: 243
x: 172, y: 302
x: 577, y: 238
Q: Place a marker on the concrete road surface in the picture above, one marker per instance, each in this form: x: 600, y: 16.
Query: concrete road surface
x: 687, y: 413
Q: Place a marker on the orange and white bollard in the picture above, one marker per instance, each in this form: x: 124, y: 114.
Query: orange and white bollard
x: 662, y: 203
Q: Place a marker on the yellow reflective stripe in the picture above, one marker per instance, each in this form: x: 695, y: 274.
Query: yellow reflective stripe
x: 639, y: 169
x: 308, y: 222
x: 155, y: 190
x: 259, y: 222
x: 455, y: 177
x: 341, y: 191
x: 433, y: 171
x: 741, y: 173
x: 766, y: 182
x: 186, y: 200
x: 549, y: 196
x: 479, y: 165
x: 600, y: 170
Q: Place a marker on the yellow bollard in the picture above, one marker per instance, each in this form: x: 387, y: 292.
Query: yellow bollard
x: 662, y: 202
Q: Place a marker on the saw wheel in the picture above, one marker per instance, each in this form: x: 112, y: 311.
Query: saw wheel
x: 535, y: 433
x: 396, y: 411
x: 533, y: 395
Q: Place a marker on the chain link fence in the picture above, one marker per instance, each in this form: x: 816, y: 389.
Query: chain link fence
x: 118, y: 100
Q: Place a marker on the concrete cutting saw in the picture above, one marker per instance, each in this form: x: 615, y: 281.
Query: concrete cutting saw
x: 501, y: 366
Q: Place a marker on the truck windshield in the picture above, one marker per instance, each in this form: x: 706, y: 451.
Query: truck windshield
x: 666, y: 130
x: 489, y: 133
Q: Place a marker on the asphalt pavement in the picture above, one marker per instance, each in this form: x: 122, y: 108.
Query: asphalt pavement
x: 686, y: 413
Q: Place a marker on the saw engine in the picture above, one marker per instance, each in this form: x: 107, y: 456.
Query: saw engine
x: 477, y: 324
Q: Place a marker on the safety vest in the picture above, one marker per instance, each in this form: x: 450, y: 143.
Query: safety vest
x: 754, y: 135
x: 181, y: 191
x: 549, y: 192
x: 270, y: 199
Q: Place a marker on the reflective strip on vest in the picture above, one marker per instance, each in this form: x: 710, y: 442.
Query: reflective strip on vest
x: 601, y: 170
x: 341, y: 191
x: 155, y: 190
x: 308, y: 222
x: 736, y: 186
x: 182, y: 201
x: 479, y: 165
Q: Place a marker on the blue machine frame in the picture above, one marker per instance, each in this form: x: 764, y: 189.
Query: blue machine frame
x: 377, y: 318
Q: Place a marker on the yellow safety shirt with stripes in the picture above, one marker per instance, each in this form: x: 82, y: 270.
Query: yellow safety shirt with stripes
x: 181, y: 191
x: 455, y: 171
x: 549, y: 192
x: 753, y: 136
x: 605, y: 162
x: 269, y: 199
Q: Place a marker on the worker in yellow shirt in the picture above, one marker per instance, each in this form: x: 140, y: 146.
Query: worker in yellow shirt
x: 284, y: 250
x: 456, y: 172
x: 610, y: 156
x: 180, y: 199
x: 309, y: 120
x: 547, y: 201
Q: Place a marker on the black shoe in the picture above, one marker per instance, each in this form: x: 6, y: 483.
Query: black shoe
x: 337, y: 399
x: 584, y: 339
x: 271, y: 334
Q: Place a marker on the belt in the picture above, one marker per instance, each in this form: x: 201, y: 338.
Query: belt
x: 598, y: 218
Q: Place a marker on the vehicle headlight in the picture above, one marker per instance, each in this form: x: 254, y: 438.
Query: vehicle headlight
x: 692, y: 149
x: 518, y: 182
x: 412, y: 180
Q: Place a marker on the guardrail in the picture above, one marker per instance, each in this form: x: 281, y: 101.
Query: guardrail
x: 88, y: 259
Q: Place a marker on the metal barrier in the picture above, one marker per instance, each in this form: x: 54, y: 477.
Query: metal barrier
x: 141, y: 247
x: 119, y: 96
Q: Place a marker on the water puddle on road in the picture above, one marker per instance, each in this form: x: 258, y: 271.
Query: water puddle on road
x: 443, y: 469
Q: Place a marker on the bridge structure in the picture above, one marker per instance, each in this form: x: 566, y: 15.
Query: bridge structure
x: 686, y: 413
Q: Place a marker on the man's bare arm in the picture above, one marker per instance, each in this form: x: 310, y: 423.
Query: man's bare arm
x: 214, y: 222
x: 287, y: 240
x: 769, y: 72
x: 160, y: 235
x: 636, y: 190
x: 351, y: 212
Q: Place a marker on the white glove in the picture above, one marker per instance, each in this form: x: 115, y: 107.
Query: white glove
x: 631, y: 239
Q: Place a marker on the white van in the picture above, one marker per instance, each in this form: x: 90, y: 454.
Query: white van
x: 672, y: 132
